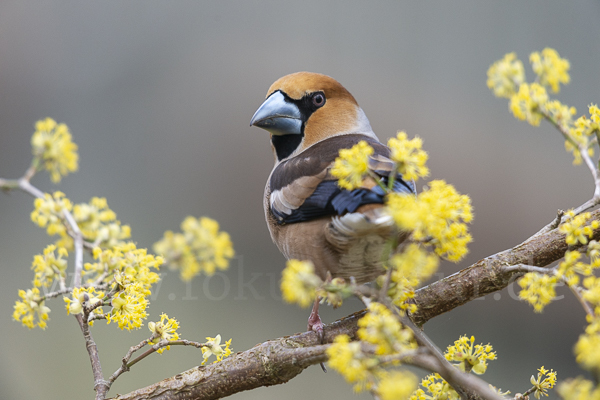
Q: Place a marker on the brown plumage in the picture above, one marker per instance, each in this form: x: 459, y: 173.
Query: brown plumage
x: 311, y: 117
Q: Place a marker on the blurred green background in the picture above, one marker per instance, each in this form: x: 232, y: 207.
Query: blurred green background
x: 159, y: 95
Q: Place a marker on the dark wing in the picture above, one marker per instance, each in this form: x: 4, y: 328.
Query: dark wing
x: 302, y: 188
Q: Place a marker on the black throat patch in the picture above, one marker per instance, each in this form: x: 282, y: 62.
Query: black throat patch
x: 286, y: 144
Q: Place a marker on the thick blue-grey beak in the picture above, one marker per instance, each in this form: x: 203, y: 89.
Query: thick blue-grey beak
x: 278, y: 116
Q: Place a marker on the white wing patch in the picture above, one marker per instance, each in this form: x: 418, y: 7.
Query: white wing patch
x: 292, y: 196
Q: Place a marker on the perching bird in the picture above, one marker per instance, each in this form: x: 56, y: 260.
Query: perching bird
x: 310, y: 217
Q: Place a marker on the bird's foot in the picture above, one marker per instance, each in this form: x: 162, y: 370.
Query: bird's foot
x: 316, y: 325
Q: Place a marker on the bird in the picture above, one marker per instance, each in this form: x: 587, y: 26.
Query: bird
x: 310, y: 118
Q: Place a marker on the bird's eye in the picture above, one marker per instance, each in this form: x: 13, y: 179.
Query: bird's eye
x: 318, y: 99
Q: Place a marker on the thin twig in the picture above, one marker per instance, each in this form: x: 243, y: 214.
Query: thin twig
x: 583, y: 151
x: 165, y: 343
x: 124, y: 367
x: 576, y: 292
x: 57, y: 293
x: 78, y: 240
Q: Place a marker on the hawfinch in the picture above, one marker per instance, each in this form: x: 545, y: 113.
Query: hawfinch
x: 310, y: 217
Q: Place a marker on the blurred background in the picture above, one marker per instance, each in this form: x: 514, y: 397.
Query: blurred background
x: 159, y: 95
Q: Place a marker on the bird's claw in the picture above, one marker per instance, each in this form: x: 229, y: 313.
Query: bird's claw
x: 317, y: 327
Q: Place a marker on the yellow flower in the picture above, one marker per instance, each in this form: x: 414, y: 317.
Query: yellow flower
x: 129, y: 308
x: 413, y: 264
x: 51, y: 144
x: 83, y: 297
x: 352, y: 165
x: 550, y: 68
x: 200, y: 248
x: 591, y: 293
x: 125, y: 264
x: 506, y: 75
x: 31, y: 306
x: 48, y: 213
x: 470, y: 357
x: 436, y: 388
x: 347, y: 358
x: 560, y: 113
x: 214, y: 347
x: 571, y: 266
x: 396, y: 385
x: 380, y: 328
x: 586, y: 351
x: 436, y: 216
x: 579, y: 134
x: 99, y: 224
x: 538, y: 289
x: 165, y: 329
x: 578, y: 389
x: 411, y: 267
x: 408, y: 156
x: 528, y: 103
x: 575, y: 230
x: 48, y: 267
x: 542, y: 385
x: 299, y: 282
x: 335, y: 291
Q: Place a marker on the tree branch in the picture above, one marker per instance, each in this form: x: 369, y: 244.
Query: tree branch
x: 490, y: 274
x: 277, y: 361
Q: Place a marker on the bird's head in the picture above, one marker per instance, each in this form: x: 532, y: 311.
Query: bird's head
x: 304, y: 108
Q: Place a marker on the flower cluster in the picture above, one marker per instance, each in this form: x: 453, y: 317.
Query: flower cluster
x: 49, y: 213
x: 410, y: 159
x: 470, y: 356
x: 396, y: 385
x: 380, y: 328
x: 48, y: 267
x: 128, y: 273
x: 579, y: 389
x: 348, y: 359
x: 299, y: 283
x: 123, y: 265
x: 550, y: 68
x: 538, y: 289
x: 434, y: 387
x: 214, y: 347
x: 165, y: 329
x: 530, y: 101
x: 81, y: 298
x: 437, y: 216
x: 201, y: 247
x: 575, y: 230
x: 410, y: 267
x: 362, y: 363
x: 98, y: 223
x: 467, y: 357
x: 129, y: 307
x: 53, y: 149
x: 506, y: 75
x: 545, y: 380
x: 31, y: 310
x: 352, y: 165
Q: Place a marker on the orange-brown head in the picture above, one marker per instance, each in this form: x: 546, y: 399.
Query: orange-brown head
x: 305, y: 108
